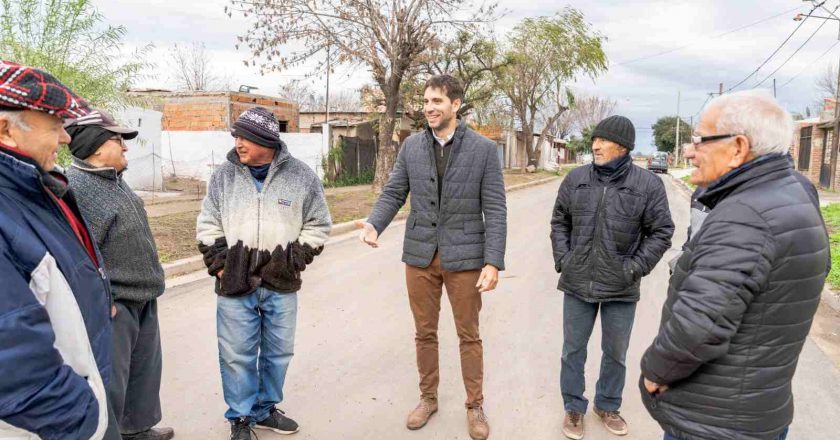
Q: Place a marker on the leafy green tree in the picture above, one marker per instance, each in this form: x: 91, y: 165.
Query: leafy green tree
x: 69, y: 39
x: 665, y: 133
x: 582, y: 144
x: 547, y: 53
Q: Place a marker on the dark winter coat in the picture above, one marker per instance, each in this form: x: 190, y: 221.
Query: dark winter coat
x: 120, y: 227
x: 607, y: 234
x: 739, y: 308
x: 467, y: 224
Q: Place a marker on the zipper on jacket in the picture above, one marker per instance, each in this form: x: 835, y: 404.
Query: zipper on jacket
x: 597, y: 239
x: 97, y: 264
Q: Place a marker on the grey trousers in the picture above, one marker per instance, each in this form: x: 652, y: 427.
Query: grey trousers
x: 134, y: 391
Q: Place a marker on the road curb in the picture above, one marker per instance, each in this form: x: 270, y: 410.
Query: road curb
x: 831, y: 298
x: 682, y: 185
x: 196, y: 263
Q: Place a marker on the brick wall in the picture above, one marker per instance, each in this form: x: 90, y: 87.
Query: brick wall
x: 216, y: 111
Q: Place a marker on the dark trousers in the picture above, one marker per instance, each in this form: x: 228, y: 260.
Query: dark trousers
x: 134, y: 391
x: 578, y: 321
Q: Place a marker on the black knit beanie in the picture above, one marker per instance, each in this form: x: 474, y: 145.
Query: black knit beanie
x: 258, y: 125
x: 617, y: 129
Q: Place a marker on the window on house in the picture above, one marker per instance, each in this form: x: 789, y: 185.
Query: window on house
x: 805, y: 148
x: 284, y: 126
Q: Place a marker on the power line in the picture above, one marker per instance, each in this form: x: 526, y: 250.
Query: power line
x: 647, y: 57
x: 809, y: 65
x: 772, y: 54
x: 708, y: 98
x: 795, y: 52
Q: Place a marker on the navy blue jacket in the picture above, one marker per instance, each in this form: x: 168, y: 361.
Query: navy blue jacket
x: 55, y: 334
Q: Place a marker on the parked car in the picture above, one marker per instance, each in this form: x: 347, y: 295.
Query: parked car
x: 658, y: 162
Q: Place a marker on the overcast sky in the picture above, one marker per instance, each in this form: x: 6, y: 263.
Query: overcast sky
x: 645, y: 89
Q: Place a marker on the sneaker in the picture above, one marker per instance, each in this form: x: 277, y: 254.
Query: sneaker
x: 573, y: 425
x: 151, y: 434
x: 477, y: 424
x: 240, y: 429
x: 278, y: 422
x: 419, y: 416
x: 612, y: 421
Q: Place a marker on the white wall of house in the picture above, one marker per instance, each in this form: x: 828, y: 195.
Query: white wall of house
x: 144, y: 151
x: 196, y: 153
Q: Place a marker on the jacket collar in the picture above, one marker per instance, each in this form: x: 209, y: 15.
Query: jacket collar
x: 109, y: 173
x: 459, y: 133
x: 759, y: 170
x: 20, y: 171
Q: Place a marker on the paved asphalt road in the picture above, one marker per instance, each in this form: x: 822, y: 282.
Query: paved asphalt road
x: 353, y: 375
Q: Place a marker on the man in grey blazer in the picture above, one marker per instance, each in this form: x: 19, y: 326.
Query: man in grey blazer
x: 455, y: 236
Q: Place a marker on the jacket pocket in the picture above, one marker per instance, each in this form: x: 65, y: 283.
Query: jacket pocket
x: 411, y: 222
x: 628, y: 203
x: 474, y: 227
x: 582, y: 200
x: 631, y: 273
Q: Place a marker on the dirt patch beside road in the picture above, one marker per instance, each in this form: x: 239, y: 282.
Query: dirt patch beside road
x: 175, y: 235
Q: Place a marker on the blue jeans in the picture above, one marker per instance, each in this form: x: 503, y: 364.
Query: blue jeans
x: 781, y: 436
x: 256, y: 343
x: 578, y: 321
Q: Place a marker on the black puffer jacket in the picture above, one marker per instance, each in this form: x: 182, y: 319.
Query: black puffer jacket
x: 739, y: 308
x: 608, y: 234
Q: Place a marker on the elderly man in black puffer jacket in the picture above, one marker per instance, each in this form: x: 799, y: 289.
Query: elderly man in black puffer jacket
x: 743, y: 294
x: 610, y: 227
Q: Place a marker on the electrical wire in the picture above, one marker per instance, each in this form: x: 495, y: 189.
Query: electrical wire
x: 647, y: 57
x: 795, y: 52
x: 810, y: 65
x: 772, y: 54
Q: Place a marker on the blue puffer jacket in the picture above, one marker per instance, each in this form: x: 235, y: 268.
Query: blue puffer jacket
x: 55, y: 334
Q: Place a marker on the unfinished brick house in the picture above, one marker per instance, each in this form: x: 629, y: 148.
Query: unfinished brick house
x: 216, y: 111
x: 812, y: 152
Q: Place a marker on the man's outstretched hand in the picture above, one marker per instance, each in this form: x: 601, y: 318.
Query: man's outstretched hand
x: 367, y: 233
x: 488, y: 279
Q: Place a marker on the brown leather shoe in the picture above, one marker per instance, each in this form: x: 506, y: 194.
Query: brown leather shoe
x: 477, y: 424
x: 419, y: 416
x: 612, y: 421
x: 573, y: 425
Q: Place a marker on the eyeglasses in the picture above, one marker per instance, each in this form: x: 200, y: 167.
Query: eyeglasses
x: 697, y: 140
x: 118, y: 139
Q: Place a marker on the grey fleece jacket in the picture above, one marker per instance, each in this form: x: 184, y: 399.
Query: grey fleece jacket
x: 120, y: 228
x: 262, y: 238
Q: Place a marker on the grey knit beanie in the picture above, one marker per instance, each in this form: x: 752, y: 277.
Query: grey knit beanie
x: 617, y: 129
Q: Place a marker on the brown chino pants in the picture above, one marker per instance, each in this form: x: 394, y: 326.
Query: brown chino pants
x: 424, y: 293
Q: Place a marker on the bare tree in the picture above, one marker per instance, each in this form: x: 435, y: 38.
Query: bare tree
x: 827, y: 82
x: 547, y: 52
x: 385, y: 37
x: 309, y: 101
x: 301, y: 93
x: 590, y: 110
x: 192, y: 68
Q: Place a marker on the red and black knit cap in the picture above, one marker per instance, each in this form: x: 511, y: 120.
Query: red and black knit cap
x: 27, y: 88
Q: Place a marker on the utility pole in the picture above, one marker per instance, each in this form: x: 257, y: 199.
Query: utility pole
x: 677, y: 144
x: 774, y: 87
x: 327, y: 118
